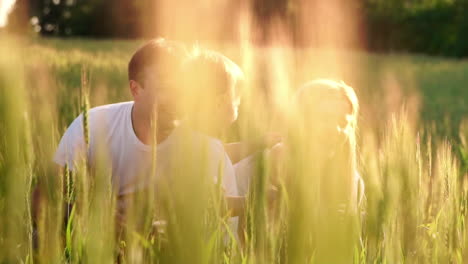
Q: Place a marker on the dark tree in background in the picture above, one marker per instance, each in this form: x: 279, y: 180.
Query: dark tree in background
x: 18, y: 20
x: 89, y: 18
x: 267, y: 11
x: 436, y: 27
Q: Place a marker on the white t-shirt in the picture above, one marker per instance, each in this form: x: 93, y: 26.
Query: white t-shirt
x: 245, y: 169
x: 111, y: 130
x: 200, y: 153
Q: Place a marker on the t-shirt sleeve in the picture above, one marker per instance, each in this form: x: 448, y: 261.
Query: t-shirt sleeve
x: 244, y: 171
x: 229, y: 177
x: 72, y: 146
x: 360, y: 188
x: 216, y: 163
x: 220, y: 168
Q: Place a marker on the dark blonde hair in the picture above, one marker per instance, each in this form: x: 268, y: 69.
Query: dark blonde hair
x: 204, y: 67
x: 317, y: 91
x: 167, y: 55
x: 206, y: 74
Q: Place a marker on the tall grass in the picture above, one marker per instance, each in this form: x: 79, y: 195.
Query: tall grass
x: 416, y: 191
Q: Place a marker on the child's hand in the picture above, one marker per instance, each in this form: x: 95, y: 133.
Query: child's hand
x: 273, y: 196
x: 271, y: 139
x: 158, y: 230
x: 276, y: 163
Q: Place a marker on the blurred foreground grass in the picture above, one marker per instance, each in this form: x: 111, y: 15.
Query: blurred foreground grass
x: 413, y: 158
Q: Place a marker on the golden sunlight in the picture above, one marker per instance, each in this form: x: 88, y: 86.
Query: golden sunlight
x: 5, y: 8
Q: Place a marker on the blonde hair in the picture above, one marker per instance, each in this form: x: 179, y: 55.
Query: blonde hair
x: 319, y: 90
x: 206, y: 74
x: 202, y: 64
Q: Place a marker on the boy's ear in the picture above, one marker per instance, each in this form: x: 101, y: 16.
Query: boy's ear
x: 134, y: 88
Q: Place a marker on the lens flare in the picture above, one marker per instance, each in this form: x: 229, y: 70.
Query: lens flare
x: 5, y: 8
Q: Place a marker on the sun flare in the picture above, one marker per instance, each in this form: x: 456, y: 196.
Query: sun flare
x: 5, y: 8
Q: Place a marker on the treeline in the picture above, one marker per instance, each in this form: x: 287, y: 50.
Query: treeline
x: 435, y: 27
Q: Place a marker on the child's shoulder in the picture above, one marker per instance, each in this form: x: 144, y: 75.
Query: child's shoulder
x: 198, y: 141
x: 105, y: 118
x: 276, y: 153
x: 196, y: 149
x: 110, y: 109
x: 105, y: 112
x: 212, y: 145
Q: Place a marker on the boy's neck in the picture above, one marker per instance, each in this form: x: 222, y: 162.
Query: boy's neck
x: 214, y: 132
x: 141, y: 122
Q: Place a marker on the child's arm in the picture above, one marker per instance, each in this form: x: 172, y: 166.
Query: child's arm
x: 240, y: 150
x: 236, y: 205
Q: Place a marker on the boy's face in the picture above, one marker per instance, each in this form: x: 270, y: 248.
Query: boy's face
x: 155, y: 94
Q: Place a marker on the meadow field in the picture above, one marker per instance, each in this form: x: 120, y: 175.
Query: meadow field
x: 412, y: 155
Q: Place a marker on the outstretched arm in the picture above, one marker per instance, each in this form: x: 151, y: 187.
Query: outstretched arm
x: 236, y: 205
x: 240, y: 150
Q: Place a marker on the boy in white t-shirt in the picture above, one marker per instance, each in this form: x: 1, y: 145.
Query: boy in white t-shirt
x: 208, y: 103
x: 122, y: 133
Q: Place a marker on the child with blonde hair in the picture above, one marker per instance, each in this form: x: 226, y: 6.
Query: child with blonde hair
x: 323, y: 117
x: 329, y: 111
x: 199, y: 170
